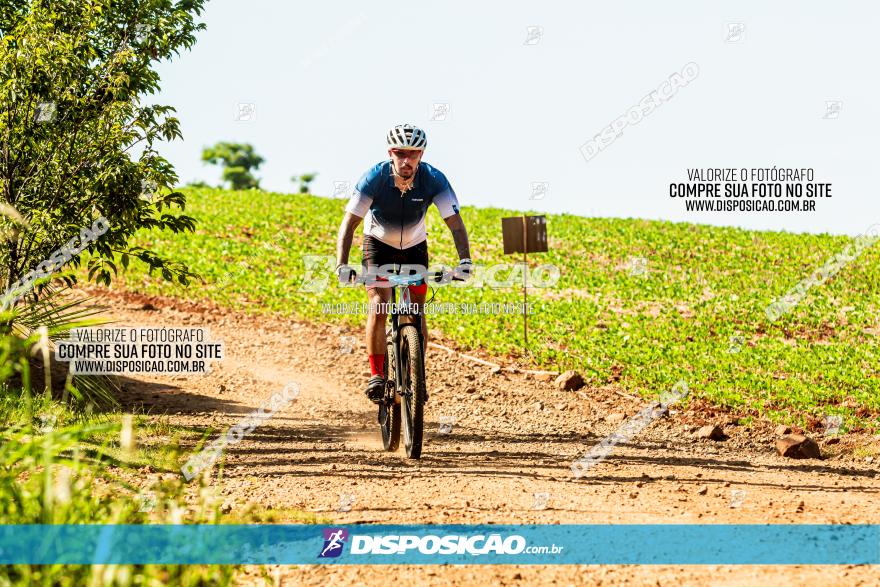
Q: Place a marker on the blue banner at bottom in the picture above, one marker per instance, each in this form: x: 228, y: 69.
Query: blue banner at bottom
x: 661, y: 544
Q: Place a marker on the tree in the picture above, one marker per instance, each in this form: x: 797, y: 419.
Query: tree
x: 304, y: 181
x: 78, y: 140
x: 238, y: 160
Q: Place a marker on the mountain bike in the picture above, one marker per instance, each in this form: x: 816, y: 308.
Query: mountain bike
x: 405, y: 391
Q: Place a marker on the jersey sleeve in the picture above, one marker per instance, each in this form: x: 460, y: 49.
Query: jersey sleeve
x: 446, y: 202
x: 362, y: 197
x: 359, y: 203
x: 445, y: 199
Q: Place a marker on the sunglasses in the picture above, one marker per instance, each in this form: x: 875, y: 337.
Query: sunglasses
x: 411, y: 153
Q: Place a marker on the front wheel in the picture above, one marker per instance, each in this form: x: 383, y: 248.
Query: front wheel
x: 412, y: 378
x: 389, y: 409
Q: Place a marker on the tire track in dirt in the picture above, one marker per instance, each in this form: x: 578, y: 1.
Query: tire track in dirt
x: 506, y: 459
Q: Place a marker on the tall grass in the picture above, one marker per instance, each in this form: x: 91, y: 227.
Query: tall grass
x: 57, y: 467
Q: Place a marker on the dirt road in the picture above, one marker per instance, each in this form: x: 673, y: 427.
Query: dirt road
x: 505, y: 459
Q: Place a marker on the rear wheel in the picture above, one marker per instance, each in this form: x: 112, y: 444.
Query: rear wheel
x: 389, y: 409
x: 412, y: 366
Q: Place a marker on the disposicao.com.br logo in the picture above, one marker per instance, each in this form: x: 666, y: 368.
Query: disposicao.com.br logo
x: 334, y: 542
x: 430, y: 544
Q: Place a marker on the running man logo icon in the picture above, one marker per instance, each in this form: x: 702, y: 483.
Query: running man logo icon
x: 334, y: 541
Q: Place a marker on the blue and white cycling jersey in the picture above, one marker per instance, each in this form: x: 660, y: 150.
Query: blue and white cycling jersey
x: 398, y: 219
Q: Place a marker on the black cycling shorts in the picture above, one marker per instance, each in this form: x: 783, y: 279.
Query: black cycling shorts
x: 376, y: 253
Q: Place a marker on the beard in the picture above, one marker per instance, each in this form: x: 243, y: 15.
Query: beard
x: 403, y: 182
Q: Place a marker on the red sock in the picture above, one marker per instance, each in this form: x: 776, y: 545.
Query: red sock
x: 421, y: 289
x: 377, y: 365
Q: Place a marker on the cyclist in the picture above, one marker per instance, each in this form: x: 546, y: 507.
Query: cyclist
x: 393, y: 198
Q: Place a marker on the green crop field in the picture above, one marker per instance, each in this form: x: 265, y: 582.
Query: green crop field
x: 691, y: 307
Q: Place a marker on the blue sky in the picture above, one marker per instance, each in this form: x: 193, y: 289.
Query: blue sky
x: 524, y: 84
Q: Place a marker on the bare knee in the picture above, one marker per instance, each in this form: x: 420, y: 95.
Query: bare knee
x: 378, y: 302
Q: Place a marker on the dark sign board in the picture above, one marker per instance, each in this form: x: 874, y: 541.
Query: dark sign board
x: 534, y: 234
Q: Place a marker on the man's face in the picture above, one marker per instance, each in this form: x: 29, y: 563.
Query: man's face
x: 405, y: 161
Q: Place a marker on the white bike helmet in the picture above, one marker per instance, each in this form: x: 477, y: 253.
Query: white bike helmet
x: 407, y: 136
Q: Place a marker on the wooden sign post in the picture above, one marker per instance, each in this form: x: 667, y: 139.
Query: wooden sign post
x: 524, y: 234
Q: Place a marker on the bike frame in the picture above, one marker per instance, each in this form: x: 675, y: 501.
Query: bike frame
x: 395, y: 318
x: 405, y: 405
